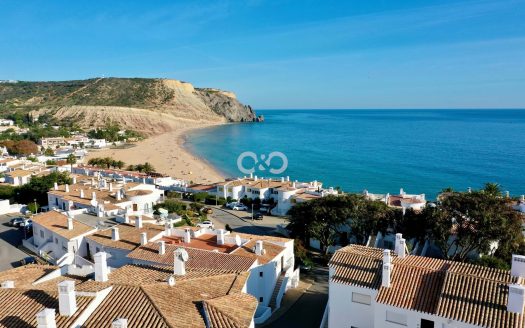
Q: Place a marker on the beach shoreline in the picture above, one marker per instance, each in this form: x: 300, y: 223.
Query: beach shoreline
x: 168, y: 155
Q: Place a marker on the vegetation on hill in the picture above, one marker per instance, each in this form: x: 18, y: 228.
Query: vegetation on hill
x: 20, y: 147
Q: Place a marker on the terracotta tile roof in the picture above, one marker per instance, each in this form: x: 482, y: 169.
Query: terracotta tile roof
x: 275, y: 239
x: 204, y: 241
x: 57, y: 222
x: 19, y: 173
x: 20, y: 306
x: 231, y: 311
x: 271, y: 251
x: 197, y: 258
x: 130, y: 303
x: 129, y: 236
x: 459, y: 291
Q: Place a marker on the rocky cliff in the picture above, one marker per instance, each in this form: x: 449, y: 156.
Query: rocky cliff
x: 146, y: 105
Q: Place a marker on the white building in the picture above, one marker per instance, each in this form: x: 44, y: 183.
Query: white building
x: 371, y: 287
x: 403, y: 201
x: 18, y: 177
x: 105, y: 198
x: 6, y: 122
x: 58, y: 237
x: 270, y: 260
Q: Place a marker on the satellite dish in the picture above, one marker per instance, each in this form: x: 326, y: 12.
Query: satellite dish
x: 182, y: 254
x: 171, y: 281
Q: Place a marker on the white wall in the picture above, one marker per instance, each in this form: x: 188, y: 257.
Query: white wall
x: 344, y: 313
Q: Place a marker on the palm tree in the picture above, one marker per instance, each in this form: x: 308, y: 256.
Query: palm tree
x: 120, y: 164
x: 492, y: 189
x: 71, y: 159
x: 148, y: 168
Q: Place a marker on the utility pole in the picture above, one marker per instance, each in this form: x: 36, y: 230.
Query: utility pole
x: 252, y: 210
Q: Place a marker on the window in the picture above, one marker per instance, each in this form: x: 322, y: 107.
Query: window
x: 427, y: 323
x: 261, y: 299
x: 260, y: 274
x: 400, y: 319
x: 361, y: 298
x: 56, y: 241
x: 42, y: 234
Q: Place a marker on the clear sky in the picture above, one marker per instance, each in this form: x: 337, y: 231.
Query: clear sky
x: 280, y: 53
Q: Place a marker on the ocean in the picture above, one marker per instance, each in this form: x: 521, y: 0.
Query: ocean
x: 421, y: 151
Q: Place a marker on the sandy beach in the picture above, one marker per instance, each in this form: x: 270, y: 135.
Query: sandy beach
x: 167, y: 154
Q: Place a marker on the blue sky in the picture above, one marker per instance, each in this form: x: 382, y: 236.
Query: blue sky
x: 282, y: 54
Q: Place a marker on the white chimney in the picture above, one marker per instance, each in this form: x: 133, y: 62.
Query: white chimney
x: 259, y: 248
x: 67, y: 188
x: 7, y: 284
x: 162, y: 247
x: 255, y: 178
x: 118, y: 195
x: 287, y: 178
x: 70, y: 225
x: 55, y: 186
x: 138, y: 222
x: 143, y: 238
x: 387, y: 268
x: 220, y: 237
x: 67, y: 302
x: 144, y: 180
x: 126, y: 218
x: 399, y: 247
x: 251, y: 175
x: 179, y: 261
x: 187, y: 236
x: 293, y: 185
x: 387, y: 196
x: 81, y: 193
x: 517, y: 267
x: 120, y: 323
x: 401, y: 192
x: 92, y: 182
x: 110, y: 186
x: 74, y: 179
x: 469, y: 189
x: 522, y: 198
x: 238, y: 240
x: 516, y: 300
x: 282, y: 179
x: 94, y: 195
x: 114, y: 234
x: 46, y: 319
x: 507, y: 194
x: 101, y: 267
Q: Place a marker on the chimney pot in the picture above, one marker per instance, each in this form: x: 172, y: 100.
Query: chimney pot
x: 516, y: 300
x: 67, y: 302
x: 101, y: 267
x: 120, y: 323
x: 259, y: 247
x: 162, y: 247
x: 115, y: 236
x: 138, y: 222
x: 8, y: 284
x: 187, y: 236
x: 94, y: 195
x: 143, y: 238
x: 220, y: 237
x: 74, y: 179
x: 517, y: 267
x: 67, y: 188
x: 387, y: 269
x: 81, y: 193
x: 179, y: 265
x: 110, y: 186
x: 70, y: 225
x: 46, y: 319
x: 55, y: 186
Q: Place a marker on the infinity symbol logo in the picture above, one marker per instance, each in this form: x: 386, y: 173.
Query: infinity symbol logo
x: 262, y: 163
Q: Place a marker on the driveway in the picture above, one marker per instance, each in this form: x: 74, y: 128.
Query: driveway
x: 309, y: 309
x: 241, y: 221
x: 10, y: 238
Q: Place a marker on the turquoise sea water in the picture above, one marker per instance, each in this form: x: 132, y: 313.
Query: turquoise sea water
x: 422, y: 151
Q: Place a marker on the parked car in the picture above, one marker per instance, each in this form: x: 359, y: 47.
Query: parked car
x: 231, y: 205
x: 207, y: 210
x: 28, y: 260
x: 240, y: 207
x: 205, y: 224
x: 258, y: 216
x: 16, y: 222
x: 26, y: 223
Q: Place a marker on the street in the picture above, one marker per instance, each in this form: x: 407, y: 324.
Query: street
x: 10, y: 238
x: 241, y: 221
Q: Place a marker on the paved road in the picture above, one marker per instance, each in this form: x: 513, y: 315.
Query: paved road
x: 10, y: 238
x: 240, y: 221
x: 308, y: 310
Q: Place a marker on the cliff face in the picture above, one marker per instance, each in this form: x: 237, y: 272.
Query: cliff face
x: 146, y: 105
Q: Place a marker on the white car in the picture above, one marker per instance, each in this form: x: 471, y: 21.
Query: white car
x: 231, y: 205
x: 240, y: 207
x: 205, y: 224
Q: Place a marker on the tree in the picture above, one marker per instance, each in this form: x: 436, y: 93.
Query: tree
x: 120, y: 164
x: 467, y: 222
x: 49, y: 152
x: 21, y: 147
x: 71, y: 159
x: 493, y: 189
x: 38, y: 187
x: 148, y: 168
